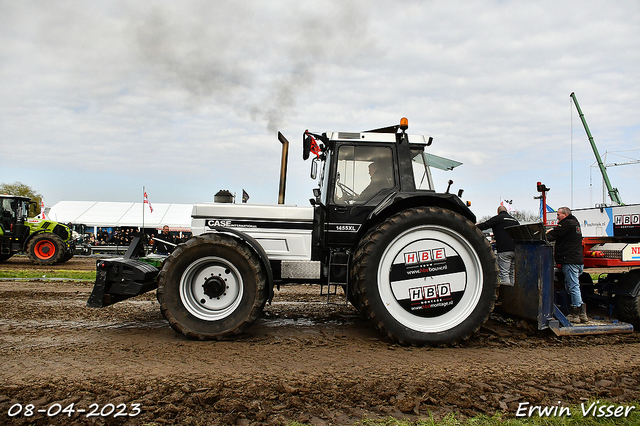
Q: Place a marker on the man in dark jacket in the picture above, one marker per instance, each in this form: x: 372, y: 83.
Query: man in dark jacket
x: 568, y: 254
x: 163, y: 243
x: 504, y: 244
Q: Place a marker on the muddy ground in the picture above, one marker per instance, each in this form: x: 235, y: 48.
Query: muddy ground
x: 304, y: 360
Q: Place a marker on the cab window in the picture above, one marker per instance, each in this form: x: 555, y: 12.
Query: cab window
x: 421, y: 172
x: 362, y: 172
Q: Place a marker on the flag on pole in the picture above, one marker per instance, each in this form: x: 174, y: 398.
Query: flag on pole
x: 245, y: 196
x: 547, y: 207
x: 507, y: 205
x: 42, y: 208
x: 146, y: 201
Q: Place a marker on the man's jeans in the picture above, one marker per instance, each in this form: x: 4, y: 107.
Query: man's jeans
x: 507, y: 267
x: 572, y: 283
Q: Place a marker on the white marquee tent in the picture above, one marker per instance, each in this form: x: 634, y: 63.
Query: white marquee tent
x: 103, y: 214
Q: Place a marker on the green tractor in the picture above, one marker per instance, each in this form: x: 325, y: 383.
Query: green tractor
x: 45, y: 241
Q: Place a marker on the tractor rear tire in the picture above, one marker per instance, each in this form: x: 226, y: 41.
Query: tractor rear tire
x: 425, y: 276
x: 212, y: 287
x: 629, y: 306
x: 46, y: 249
x: 68, y: 255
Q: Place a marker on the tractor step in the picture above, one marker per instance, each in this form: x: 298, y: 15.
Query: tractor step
x: 332, y: 293
x: 337, y: 277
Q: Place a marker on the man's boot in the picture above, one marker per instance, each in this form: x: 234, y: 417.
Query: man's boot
x: 574, y: 314
x: 583, y: 313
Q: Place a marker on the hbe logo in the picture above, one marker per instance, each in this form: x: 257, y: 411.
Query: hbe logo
x: 428, y: 292
x: 423, y: 256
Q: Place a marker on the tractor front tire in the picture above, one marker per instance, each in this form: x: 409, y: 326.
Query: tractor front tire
x: 425, y: 276
x: 46, y: 249
x: 212, y: 287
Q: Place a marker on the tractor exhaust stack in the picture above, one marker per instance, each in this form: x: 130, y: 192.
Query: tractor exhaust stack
x: 283, y: 167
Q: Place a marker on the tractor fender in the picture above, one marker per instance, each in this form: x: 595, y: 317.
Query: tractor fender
x: 255, y: 246
x: 25, y: 243
x: 396, y: 202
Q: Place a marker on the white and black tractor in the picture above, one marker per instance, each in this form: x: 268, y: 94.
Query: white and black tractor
x: 409, y: 258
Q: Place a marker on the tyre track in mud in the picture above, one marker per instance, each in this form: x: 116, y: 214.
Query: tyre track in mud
x: 303, y: 360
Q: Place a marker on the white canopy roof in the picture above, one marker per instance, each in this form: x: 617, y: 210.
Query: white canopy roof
x: 114, y: 214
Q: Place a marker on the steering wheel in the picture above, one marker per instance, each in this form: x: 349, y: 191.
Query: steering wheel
x: 348, y: 194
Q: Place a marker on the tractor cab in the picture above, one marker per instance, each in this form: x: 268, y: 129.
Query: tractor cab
x: 363, y: 174
x: 13, y: 214
x: 13, y: 227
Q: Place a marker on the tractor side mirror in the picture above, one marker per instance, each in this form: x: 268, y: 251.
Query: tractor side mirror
x: 306, y: 146
x: 32, y: 206
x: 314, y: 168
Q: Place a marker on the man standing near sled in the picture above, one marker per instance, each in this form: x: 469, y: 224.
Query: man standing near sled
x: 568, y: 254
x: 505, y: 247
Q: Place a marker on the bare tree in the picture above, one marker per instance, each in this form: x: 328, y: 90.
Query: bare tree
x: 523, y: 216
x: 526, y: 216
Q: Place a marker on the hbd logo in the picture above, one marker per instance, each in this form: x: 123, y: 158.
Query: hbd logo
x: 429, y: 292
x: 424, y: 256
x: 627, y: 219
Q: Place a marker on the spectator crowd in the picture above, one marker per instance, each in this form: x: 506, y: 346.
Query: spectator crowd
x: 123, y: 236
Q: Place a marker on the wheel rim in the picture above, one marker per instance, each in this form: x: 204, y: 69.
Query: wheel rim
x: 211, y: 288
x: 430, y: 279
x: 45, y: 249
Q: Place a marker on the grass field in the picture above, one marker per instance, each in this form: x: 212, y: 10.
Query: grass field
x: 48, y: 274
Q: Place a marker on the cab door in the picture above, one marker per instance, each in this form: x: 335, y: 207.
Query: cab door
x: 362, y: 176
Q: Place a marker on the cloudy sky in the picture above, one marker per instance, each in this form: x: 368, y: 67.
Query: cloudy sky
x: 98, y: 99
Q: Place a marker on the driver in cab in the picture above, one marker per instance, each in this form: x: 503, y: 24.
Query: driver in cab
x: 380, y: 179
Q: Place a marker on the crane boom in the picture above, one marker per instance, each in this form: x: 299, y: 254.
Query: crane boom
x: 613, y: 192
x: 621, y: 164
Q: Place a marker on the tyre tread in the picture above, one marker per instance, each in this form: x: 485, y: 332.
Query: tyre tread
x: 629, y: 308
x: 259, y: 275
x: 60, y: 249
x: 363, y: 260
